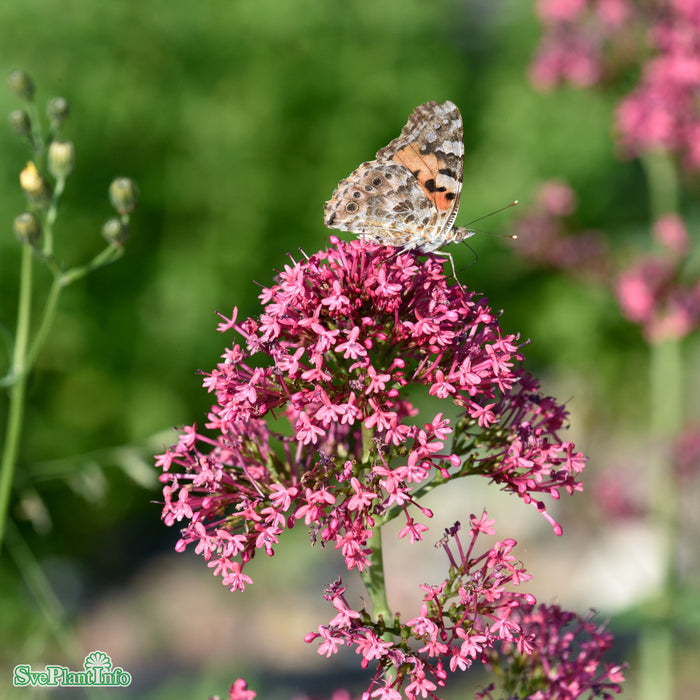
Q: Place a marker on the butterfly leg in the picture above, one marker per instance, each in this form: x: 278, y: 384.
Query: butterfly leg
x: 444, y: 254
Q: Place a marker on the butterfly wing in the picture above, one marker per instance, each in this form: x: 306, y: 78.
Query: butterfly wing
x: 409, y: 195
x: 431, y: 147
x: 384, y: 202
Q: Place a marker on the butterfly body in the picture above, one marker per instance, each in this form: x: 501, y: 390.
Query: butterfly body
x: 409, y: 196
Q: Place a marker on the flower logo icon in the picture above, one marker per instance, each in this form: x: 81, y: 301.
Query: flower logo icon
x: 98, y: 659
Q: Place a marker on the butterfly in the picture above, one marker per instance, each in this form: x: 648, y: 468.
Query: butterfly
x: 408, y: 197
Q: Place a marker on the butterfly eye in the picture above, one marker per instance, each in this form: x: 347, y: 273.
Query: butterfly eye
x: 351, y: 207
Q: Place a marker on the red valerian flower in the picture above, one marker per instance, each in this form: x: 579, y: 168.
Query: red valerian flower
x: 587, y: 42
x: 459, y: 620
x: 313, y: 419
x: 650, y: 291
x: 545, y: 235
x: 563, y: 659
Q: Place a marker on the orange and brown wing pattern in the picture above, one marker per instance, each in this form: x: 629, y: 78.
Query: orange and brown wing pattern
x: 408, y: 196
x: 431, y: 147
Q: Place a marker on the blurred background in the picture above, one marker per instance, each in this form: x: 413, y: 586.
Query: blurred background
x: 237, y: 119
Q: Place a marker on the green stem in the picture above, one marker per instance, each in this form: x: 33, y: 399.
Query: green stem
x: 60, y: 282
x: 37, y: 138
x: 656, y: 649
x: 662, y: 179
x: 18, y: 388
x: 46, y: 320
x: 374, y: 580
x: 656, y: 645
x: 51, y: 215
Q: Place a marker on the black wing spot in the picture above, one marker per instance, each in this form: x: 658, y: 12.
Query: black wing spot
x: 450, y: 196
x: 351, y: 207
x: 432, y: 187
x: 356, y: 194
x: 448, y: 171
x: 377, y: 181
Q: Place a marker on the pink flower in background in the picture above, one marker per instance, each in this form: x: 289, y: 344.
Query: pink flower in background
x: 650, y: 293
x: 574, y: 46
x: 556, y: 11
x: 565, y: 658
x: 640, y: 286
x: 587, y: 41
x: 566, y: 57
x: 663, y: 111
x: 687, y: 455
x: 545, y: 238
x: 616, y: 494
x: 670, y: 231
x: 556, y: 198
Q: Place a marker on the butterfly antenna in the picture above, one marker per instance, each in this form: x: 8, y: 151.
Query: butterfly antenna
x: 497, y: 211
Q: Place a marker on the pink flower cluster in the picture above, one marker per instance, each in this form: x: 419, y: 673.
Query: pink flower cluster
x: 565, y: 659
x: 663, y: 112
x: 473, y: 615
x: 313, y: 422
x: 649, y: 291
x: 544, y: 237
x: 238, y: 691
x: 585, y: 41
x: 459, y: 620
x: 576, y: 32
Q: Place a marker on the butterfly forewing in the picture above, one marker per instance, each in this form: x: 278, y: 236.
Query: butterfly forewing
x: 408, y: 197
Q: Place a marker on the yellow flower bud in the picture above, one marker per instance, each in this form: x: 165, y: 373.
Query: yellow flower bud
x: 61, y: 158
x: 33, y: 185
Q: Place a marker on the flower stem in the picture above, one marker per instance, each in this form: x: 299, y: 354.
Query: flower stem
x: 45, y: 324
x: 18, y: 387
x: 656, y: 646
x: 374, y: 580
x: 662, y: 179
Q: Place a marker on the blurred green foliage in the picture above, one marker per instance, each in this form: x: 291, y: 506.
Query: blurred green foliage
x: 237, y: 119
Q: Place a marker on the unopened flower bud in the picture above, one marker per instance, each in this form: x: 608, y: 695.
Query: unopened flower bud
x: 61, y: 158
x: 58, y: 110
x: 124, y: 195
x: 34, y: 186
x: 22, y: 85
x: 27, y: 228
x: 115, y: 231
x: 20, y: 122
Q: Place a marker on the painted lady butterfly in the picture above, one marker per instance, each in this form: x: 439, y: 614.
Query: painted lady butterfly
x: 409, y: 196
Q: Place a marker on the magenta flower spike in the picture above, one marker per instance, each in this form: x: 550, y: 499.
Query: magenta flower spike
x: 313, y: 424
